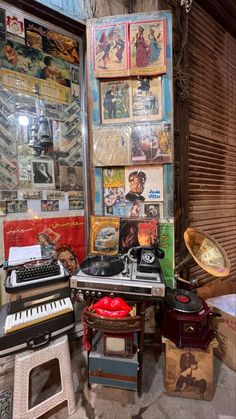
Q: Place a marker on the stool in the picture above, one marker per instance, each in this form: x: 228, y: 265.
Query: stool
x: 25, y: 362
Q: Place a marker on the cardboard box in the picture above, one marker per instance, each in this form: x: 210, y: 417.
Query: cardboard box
x: 225, y: 327
x: 189, y: 372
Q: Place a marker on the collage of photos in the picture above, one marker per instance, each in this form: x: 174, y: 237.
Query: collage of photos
x: 40, y: 117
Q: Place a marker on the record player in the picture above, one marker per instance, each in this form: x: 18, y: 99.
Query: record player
x: 136, y: 274
x: 185, y: 317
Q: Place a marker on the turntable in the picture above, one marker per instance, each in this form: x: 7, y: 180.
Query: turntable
x: 136, y: 274
x: 185, y: 317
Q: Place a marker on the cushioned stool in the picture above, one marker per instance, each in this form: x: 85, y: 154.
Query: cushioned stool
x: 25, y: 362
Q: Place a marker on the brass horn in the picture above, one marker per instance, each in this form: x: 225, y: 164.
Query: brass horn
x: 206, y: 252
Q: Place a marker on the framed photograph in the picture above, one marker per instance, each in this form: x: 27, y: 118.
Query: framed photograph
x: 115, y: 101
x: 146, y: 98
x: 71, y: 178
x: 147, y: 47
x: 110, y: 52
x: 43, y: 174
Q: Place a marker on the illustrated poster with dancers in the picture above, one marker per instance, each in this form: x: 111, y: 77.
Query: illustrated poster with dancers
x: 147, y: 47
x: 110, y: 56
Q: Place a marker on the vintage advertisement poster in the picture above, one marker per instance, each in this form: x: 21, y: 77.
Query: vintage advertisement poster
x: 139, y: 232
x: 17, y: 57
x: 144, y: 183
x: 146, y: 98
x: 110, y: 52
x: 151, y: 144
x: 189, y: 372
x: 115, y: 101
x: 147, y: 47
x: 104, y: 235
x: 111, y: 146
x: 65, y: 234
x: 51, y: 42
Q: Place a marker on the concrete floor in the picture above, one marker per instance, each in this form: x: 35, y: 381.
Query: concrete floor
x: 111, y: 403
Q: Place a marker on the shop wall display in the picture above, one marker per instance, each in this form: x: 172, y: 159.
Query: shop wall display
x: 41, y: 123
x: 131, y: 121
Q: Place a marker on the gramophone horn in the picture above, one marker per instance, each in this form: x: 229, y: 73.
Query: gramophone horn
x: 207, y: 253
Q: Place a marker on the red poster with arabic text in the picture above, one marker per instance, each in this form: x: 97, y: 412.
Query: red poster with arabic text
x: 59, y: 231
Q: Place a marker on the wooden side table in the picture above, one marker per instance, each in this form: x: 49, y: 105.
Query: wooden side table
x: 124, y: 325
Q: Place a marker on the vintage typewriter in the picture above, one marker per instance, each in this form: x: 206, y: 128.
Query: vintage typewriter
x: 34, y: 317
x: 136, y: 274
x: 35, y: 274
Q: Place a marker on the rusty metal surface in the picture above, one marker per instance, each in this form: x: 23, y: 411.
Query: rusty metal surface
x: 212, y: 137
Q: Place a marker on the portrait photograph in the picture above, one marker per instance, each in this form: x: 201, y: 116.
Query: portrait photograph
x: 115, y: 101
x: 110, y: 50
x: 71, y: 178
x: 43, y: 174
x: 148, y: 47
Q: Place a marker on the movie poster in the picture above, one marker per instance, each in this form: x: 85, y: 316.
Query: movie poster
x: 144, y: 183
x: 68, y: 232
x: 151, y: 143
x: 110, y: 50
x: 104, y: 235
x: 113, y: 177
x: 139, y: 232
x: 147, y: 47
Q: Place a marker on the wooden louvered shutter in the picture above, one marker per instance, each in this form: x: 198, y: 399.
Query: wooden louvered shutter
x: 212, y: 139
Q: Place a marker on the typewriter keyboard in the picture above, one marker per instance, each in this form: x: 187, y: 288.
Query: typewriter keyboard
x: 37, y: 271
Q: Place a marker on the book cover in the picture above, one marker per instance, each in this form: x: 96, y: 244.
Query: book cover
x: 115, y: 101
x: 137, y: 232
x: 113, y: 177
x: 146, y: 98
x: 144, y: 183
x: 166, y: 243
x: 147, y: 47
x: 104, y: 235
x: 151, y: 143
x: 111, y: 146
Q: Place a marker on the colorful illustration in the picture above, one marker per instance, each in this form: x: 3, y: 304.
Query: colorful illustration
x: 144, y: 184
x: 17, y: 57
x: 151, y: 144
x: 137, y: 233
x: 147, y: 47
x: 115, y: 101
x: 146, y: 98
x: 104, y: 235
x: 64, y: 234
x: 111, y: 146
x: 51, y: 42
x: 113, y: 177
x: 166, y: 243
x: 110, y: 50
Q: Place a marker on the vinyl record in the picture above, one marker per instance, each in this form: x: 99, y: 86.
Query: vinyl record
x: 183, y: 300
x: 100, y: 265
